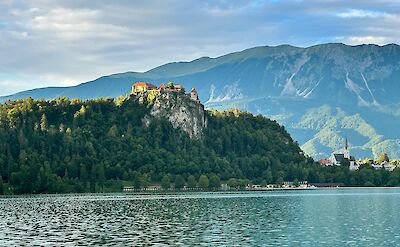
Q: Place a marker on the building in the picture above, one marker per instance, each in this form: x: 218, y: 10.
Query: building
x: 385, y: 165
x: 388, y: 166
x: 300, y: 184
x: 194, y: 95
x: 179, y: 88
x: 138, y: 87
x: 162, y: 87
x: 326, y: 162
x: 142, y: 87
x: 342, y: 158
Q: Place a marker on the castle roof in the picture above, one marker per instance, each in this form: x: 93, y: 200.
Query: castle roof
x: 178, y: 87
x: 194, y: 90
x: 143, y: 84
x: 162, y: 86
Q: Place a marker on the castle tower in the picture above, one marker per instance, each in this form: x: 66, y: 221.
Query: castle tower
x: 194, y: 95
x: 346, y: 151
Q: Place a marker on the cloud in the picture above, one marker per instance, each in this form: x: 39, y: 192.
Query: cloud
x: 354, y: 40
x: 357, y: 13
x: 57, y: 43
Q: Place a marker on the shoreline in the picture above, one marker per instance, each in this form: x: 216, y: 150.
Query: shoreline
x: 189, y: 192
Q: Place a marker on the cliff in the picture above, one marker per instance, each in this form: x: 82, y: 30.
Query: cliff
x: 177, y: 108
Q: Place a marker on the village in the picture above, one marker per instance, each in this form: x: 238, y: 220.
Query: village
x: 344, y: 158
x: 139, y: 87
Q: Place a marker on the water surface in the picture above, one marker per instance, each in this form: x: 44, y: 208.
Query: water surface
x: 332, y: 217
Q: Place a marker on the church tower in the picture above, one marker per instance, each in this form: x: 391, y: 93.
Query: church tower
x: 346, y: 151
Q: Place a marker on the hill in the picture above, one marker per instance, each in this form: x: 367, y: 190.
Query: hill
x: 98, y: 145
x: 320, y: 93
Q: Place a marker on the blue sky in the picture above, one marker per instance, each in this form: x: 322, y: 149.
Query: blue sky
x: 62, y: 43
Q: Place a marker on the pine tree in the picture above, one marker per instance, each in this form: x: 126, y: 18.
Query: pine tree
x: 43, y: 123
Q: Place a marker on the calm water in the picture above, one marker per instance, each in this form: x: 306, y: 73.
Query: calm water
x: 335, y: 217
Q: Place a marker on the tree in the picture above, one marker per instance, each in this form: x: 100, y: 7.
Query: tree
x: 101, y: 177
x: 137, y: 181
x: 192, y: 182
x: 1, y: 186
x: 170, y: 85
x: 383, y: 157
x: 296, y: 183
x: 203, y: 182
x: 179, y: 182
x: 279, y: 181
x: 145, y: 180
x: 232, y: 182
x: 43, y: 123
x: 165, y: 182
x: 22, y: 139
x: 93, y: 178
x: 268, y: 176
x: 113, y: 131
x: 83, y: 174
x: 120, y: 100
x: 215, y: 182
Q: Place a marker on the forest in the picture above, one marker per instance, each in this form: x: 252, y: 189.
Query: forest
x: 75, y: 146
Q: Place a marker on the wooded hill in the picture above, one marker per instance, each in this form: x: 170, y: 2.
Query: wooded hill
x: 67, y: 145
x: 75, y: 146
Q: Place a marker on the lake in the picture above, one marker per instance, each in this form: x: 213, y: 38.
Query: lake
x: 328, y: 217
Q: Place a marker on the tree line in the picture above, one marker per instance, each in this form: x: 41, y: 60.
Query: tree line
x: 63, y: 145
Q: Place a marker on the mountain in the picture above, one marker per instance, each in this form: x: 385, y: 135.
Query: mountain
x: 320, y: 93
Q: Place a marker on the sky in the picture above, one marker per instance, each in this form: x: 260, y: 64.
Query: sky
x: 63, y: 43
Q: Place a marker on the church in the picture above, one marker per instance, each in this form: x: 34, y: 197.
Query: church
x: 340, y: 158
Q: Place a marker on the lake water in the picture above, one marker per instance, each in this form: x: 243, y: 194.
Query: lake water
x: 331, y: 217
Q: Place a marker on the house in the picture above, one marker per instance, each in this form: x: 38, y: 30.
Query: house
x: 342, y: 158
x: 388, y: 166
x: 377, y: 166
x: 142, y: 87
x: 326, y: 162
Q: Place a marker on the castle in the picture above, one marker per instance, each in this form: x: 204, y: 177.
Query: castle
x: 139, y: 87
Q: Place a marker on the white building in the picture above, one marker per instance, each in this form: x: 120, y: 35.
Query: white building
x: 388, y: 166
x: 339, y: 158
x: 385, y: 165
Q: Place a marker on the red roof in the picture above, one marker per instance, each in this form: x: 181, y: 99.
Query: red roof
x: 325, y: 161
x: 178, y: 87
x: 194, y: 90
x: 162, y: 86
x: 143, y: 84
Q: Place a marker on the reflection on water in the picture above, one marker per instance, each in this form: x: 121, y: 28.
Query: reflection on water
x: 351, y: 217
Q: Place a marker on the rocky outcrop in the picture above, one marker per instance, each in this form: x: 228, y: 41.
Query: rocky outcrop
x: 177, y: 108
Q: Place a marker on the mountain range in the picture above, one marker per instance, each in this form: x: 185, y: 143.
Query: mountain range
x: 321, y: 94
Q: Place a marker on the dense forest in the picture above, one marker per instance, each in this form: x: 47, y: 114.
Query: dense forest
x: 63, y: 145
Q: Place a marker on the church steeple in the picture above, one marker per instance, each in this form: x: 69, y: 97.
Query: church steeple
x: 346, y: 149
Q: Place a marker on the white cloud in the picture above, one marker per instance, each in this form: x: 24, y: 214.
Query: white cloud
x: 54, y: 42
x: 359, y: 13
x: 355, y: 40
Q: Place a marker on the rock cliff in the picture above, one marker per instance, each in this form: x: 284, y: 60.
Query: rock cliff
x: 177, y: 108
